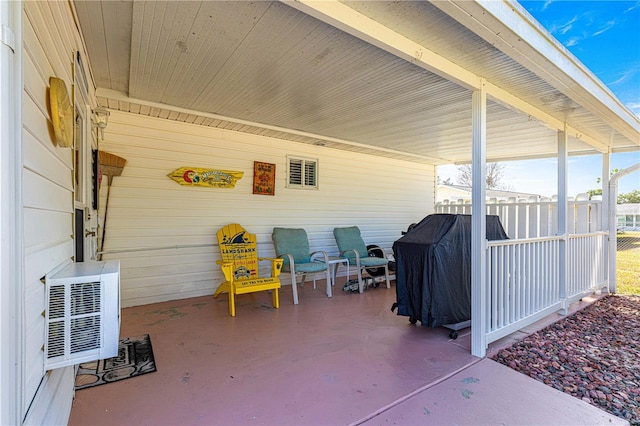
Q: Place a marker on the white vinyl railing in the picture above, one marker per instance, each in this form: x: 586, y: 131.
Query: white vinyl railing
x: 535, y: 217
x: 524, y: 282
x: 586, y: 264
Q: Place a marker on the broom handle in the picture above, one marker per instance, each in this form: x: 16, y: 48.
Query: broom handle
x: 104, y: 222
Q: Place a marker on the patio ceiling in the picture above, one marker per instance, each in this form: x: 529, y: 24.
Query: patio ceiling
x: 386, y: 78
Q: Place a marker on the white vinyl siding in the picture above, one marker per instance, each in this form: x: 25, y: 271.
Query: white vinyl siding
x: 50, y: 40
x: 164, y: 233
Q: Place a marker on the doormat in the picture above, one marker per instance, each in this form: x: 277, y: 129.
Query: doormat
x: 135, y: 357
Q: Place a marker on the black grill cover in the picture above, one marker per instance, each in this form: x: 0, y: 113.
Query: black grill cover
x: 433, y: 271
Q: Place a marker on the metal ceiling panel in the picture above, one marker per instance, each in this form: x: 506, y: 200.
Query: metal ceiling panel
x: 468, y: 50
x: 107, y: 37
x: 267, y: 68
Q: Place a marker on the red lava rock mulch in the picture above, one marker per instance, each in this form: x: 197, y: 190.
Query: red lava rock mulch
x: 593, y: 355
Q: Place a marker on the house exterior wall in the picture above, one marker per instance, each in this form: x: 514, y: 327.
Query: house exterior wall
x: 50, y: 41
x: 452, y: 194
x: 628, y: 217
x: 149, y: 214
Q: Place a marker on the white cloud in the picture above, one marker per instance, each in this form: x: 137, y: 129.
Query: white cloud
x: 607, y: 27
x: 634, y: 107
x: 546, y: 4
x: 572, y: 41
x: 626, y: 76
x: 564, y: 28
x: 560, y: 27
x: 635, y: 6
x: 574, y: 24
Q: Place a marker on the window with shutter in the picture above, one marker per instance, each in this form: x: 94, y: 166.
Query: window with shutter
x: 302, y: 173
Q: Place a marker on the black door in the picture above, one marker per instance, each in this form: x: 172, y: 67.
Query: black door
x: 79, y: 235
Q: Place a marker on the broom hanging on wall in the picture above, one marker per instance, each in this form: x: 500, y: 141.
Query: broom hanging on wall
x: 110, y: 166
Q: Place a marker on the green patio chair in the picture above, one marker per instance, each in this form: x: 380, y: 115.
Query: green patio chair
x: 352, y: 247
x: 292, y: 245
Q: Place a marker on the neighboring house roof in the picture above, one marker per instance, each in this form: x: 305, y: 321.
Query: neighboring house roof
x: 628, y: 209
x: 392, y: 79
x: 465, y: 192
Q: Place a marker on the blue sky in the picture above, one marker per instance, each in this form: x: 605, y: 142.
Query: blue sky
x: 604, y: 36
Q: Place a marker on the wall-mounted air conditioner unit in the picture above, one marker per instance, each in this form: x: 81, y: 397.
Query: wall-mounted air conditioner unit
x: 82, y: 313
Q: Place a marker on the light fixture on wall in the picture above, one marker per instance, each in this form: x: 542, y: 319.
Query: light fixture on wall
x: 101, y: 116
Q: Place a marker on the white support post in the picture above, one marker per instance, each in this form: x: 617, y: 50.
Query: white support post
x: 563, y: 161
x: 479, y: 311
x: 613, y: 235
x: 604, y: 214
x: 12, y: 374
x: 613, y: 239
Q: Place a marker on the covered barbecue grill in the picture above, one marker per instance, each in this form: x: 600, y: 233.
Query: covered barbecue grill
x: 433, y: 269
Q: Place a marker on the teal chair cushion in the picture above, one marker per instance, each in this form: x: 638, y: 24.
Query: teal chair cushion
x: 294, y: 242
x: 349, y: 238
x: 373, y: 261
x: 307, y: 268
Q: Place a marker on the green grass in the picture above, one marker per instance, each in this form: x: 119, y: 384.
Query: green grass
x: 628, y: 263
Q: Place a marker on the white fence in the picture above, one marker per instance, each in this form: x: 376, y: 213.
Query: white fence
x: 586, y: 264
x: 524, y: 282
x: 536, y: 217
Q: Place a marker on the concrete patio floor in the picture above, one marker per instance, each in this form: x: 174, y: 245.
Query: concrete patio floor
x: 344, y: 360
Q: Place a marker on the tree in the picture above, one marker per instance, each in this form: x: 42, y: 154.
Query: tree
x: 495, y: 173
x: 628, y: 198
x: 447, y: 181
x: 593, y: 192
x: 611, y: 173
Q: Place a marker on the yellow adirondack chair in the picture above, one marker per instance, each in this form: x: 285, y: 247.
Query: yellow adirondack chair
x: 240, y: 266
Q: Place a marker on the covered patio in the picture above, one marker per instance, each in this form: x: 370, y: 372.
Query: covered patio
x: 345, y: 360
x: 370, y: 96
x: 372, y: 78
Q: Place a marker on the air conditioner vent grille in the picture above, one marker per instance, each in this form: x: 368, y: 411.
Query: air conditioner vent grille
x: 82, y: 313
x: 85, y: 298
x: 85, y: 333
x: 56, y: 302
x: 56, y: 339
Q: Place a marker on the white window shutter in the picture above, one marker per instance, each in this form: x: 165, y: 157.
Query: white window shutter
x: 302, y: 173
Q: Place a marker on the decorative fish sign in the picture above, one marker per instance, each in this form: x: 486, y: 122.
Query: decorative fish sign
x: 198, y: 176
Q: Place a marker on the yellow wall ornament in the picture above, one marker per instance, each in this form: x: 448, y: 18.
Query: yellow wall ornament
x: 61, y: 112
x: 213, y: 178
